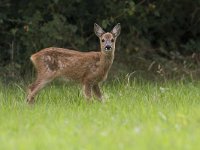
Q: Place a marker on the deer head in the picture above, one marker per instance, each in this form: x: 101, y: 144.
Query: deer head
x: 107, y: 39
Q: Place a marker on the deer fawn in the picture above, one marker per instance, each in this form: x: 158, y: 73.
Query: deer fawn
x: 88, y: 68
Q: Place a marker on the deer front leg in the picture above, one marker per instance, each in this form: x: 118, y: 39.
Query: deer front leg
x: 87, y: 90
x: 97, y: 92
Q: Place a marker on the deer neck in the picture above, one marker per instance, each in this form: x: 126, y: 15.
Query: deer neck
x: 106, y: 61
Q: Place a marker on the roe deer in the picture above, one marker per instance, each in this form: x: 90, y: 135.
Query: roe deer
x: 88, y: 68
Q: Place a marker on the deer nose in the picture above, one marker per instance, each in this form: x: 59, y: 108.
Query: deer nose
x: 108, y: 47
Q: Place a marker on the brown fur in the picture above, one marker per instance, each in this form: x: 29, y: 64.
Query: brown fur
x: 88, y: 68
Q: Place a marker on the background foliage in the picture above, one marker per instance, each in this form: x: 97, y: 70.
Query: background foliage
x: 168, y: 29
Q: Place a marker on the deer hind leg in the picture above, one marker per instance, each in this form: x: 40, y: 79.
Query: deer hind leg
x: 36, y: 86
x: 97, y: 92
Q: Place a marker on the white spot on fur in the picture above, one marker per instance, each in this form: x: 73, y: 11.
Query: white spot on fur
x: 48, y: 58
x: 48, y: 69
x: 61, y: 65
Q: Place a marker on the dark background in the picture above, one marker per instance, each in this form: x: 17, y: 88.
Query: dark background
x: 159, y: 37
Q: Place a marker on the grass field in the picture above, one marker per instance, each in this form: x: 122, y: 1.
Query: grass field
x: 139, y: 115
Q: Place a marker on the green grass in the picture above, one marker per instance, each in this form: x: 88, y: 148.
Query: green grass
x: 141, y: 115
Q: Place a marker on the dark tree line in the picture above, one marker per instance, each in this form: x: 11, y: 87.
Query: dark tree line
x: 170, y: 26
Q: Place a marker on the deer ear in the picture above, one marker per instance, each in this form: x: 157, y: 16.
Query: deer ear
x: 98, y: 30
x: 116, y: 30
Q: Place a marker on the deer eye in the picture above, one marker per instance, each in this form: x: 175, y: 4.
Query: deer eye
x: 102, y: 40
x: 112, y: 40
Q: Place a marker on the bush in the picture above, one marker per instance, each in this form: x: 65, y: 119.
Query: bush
x: 28, y: 26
